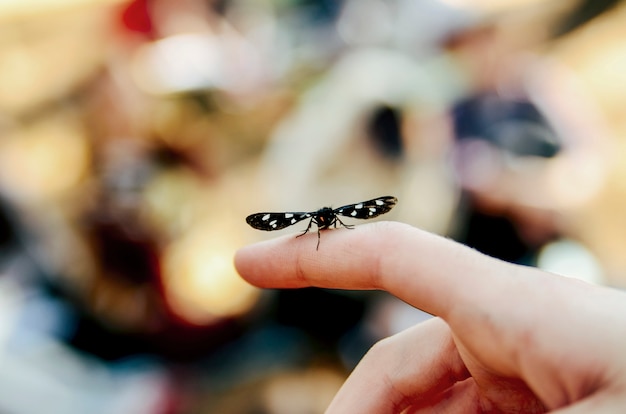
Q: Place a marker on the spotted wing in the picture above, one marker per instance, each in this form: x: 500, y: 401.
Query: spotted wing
x: 368, y: 209
x: 275, y: 221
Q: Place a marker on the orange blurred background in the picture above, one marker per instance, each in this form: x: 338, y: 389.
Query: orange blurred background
x: 136, y: 136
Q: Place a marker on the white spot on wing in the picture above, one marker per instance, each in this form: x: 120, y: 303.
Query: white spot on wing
x: 265, y: 217
x: 273, y: 223
x: 379, y: 202
x: 288, y: 215
x: 358, y: 206
x: 353, y: 213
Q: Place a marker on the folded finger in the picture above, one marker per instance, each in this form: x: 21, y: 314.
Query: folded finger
x: 411, y: 368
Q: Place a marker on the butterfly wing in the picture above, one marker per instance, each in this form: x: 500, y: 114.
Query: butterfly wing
x: 368, y: 209
x: 275, y: 221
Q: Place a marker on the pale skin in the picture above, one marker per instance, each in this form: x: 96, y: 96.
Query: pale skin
x: 505, y: 339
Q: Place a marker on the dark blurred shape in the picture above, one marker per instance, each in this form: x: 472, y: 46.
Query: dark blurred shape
x: 494, y: 235
x: 324, y: 314
x: 8, y: 235
x: 514, y: 126
x: 586, y: 11
x: 220, y: 6
x: 319, y: 11
x: 126, y: 251
x: 384, y: 129
x: 175, y: 343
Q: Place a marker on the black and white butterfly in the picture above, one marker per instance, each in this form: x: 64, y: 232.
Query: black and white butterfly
x: 324, y: 217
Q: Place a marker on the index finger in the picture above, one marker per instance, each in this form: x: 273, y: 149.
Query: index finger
x: 428, y: 271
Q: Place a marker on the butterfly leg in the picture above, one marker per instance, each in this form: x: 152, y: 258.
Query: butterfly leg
x: 348, y: 226
x: 318, y: 239
x: 307, y: 229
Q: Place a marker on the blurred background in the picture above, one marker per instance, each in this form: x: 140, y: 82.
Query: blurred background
x: 136, y: 136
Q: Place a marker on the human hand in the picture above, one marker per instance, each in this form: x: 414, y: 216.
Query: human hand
x: 506, y: 338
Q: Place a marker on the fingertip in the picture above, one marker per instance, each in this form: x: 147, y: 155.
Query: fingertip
x: 244, y: 261
x: 259, y: 262
x: 243, y: 255
x: 240, y: 259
